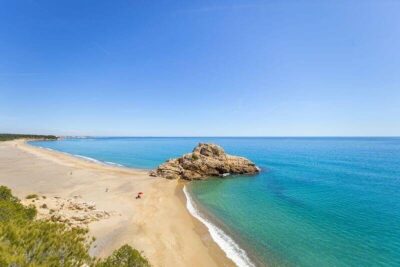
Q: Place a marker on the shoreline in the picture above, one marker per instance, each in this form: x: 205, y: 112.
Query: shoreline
x: 180, y: 240
x: 225, y: 242
x: 231, y: 248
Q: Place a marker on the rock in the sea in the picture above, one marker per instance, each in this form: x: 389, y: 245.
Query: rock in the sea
x: 205, y: 161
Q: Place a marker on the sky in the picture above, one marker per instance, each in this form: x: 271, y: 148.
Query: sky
x: 200, y: 68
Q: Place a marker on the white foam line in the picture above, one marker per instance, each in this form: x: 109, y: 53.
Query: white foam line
x: 85, y: 158
x: 41, y: 147
x: 99, y: 161
x: 225, y: 242
x: 113, y: 163
x: 89, y: 159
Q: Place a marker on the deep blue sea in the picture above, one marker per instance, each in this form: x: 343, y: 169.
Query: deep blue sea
x: 317, y: 201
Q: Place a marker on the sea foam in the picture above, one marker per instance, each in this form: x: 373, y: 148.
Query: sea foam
x: 88, y: 159
x: 225, y: 242
x: 98, y: 161
x: 115, y: 164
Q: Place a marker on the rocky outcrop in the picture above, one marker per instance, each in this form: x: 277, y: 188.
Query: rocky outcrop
x: 205, y: 161
x: 73, y: 211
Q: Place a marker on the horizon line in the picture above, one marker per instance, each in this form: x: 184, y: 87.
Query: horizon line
x: 235, y: 136
x: 213, y: 136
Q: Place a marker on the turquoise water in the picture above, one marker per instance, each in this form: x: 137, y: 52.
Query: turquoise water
x: 317, y: 202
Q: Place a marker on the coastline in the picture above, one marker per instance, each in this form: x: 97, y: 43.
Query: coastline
x: 159, y: 224
x: 231, y: 248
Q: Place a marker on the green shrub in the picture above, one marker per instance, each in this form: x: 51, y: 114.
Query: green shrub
x: 11, y: 209
x: 32, y: 196
x: 5, y: 194
x: 15, y: 211
x: 125, y: 256
x: 41, y: 243
x: 25, y: 241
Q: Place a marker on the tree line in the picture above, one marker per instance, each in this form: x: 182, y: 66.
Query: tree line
x: 8, y: 137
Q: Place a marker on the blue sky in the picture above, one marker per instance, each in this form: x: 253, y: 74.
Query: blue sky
x: 192, y: 68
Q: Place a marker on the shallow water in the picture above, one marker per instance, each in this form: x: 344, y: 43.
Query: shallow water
x: 317, y: 202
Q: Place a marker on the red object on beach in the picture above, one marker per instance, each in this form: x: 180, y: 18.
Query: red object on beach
x: 140, y: 193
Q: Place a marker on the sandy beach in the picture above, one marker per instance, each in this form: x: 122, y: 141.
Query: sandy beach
x: 158, y: 224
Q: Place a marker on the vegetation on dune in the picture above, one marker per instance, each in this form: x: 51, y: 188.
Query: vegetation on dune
x: 25, y: 241
x: 30, y: 196
x: 8, y: 137
x: 125, y: 256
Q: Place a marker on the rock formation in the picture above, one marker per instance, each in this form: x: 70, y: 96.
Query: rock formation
x: 73, y: 211
x: 205, y: 161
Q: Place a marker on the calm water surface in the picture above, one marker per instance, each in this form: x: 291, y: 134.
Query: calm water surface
x: 317, y: 202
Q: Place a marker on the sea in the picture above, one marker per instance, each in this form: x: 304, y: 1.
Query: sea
x: 328, y: 201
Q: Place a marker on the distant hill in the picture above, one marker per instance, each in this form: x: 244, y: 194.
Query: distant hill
x: 8, y: 137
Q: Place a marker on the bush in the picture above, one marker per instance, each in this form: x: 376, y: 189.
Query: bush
x: 25, y: 241
x: 41, y: 243
x: 125, y: 256
x: 5, y: 194
x: 31, y: 196
x: 15, y: 211
x: 11, y: 209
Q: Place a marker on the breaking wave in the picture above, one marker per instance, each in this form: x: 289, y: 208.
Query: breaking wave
x: 225, y: 242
